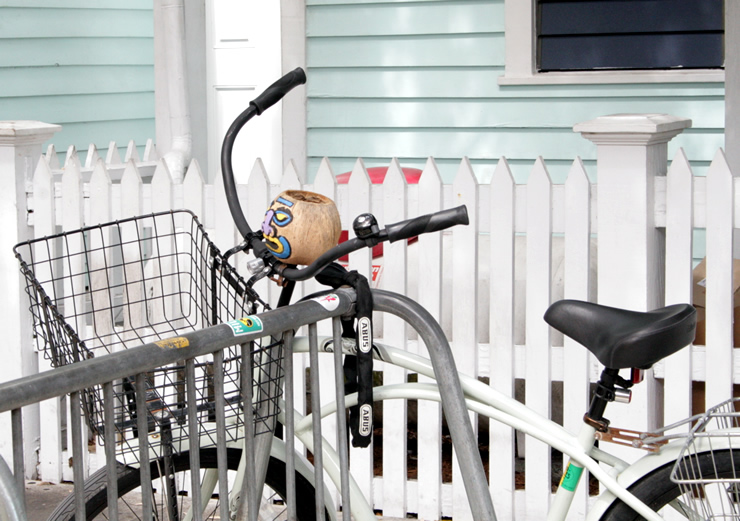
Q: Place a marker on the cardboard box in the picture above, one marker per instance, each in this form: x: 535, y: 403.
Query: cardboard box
x: 700, y: 299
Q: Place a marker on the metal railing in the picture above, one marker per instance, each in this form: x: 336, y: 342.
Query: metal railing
x: 137, y: 362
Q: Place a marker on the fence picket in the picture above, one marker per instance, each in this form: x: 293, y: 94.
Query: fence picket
x: 100, y: 293
x: 538, y: 369
x: 576, y: 358
x: 134, y: 312
x: 161, y: 186
x: 465, y: 317
x: 73, y: 219
x: 71, y: 156
x: 112, y: 157
x: 720, y: 221
x: 192, y: 190
x: 429, y: 431
x: 223, y: 229
x: 326, y: 185
x: 132, y: 153
x: 162, y: 200
x: 678, y: 269
x: 150, y: 151
x: 51, y: 157
x: 100, y: 212
x: 50, y: 444
x: 395, y: 200
x: 92, y: 156
x: 501, y: 351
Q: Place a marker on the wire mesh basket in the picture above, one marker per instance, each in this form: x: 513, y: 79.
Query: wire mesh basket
x: 118, y: 285
x: 708, y: 467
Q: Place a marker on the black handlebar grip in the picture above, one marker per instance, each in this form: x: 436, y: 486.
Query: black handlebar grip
x: 277, y: 90
x: 427, y: 223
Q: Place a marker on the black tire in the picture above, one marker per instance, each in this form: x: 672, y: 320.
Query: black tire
x: 96, y: 500
x: 657, y: 490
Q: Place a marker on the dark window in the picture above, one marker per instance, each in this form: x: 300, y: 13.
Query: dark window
x: 577, y: 35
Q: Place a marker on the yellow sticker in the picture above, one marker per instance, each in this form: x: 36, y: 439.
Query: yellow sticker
x: 173, y: 343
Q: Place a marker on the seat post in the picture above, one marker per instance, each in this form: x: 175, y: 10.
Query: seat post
x: 606, y: 391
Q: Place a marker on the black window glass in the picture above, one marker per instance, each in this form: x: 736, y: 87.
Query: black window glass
x: 629, y: 34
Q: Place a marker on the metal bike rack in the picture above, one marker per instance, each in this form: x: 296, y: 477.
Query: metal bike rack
x: 104, y: 370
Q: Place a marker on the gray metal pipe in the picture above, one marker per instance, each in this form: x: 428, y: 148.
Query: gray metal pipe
x: 11, y: 506
x: 88, y: 373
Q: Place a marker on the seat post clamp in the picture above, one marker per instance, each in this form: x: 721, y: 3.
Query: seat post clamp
x: 600, y: 425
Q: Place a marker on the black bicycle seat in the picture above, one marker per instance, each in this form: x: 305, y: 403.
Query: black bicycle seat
x: 624, y: 339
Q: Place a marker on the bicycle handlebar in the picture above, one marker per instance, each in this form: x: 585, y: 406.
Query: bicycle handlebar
x: 432, y: 222
x: 393, y: 232
x: 427, y: 223
x: 269, y: 97
x: 277, y: 90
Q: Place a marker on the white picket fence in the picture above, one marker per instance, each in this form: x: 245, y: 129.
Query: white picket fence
x: 488, y: 283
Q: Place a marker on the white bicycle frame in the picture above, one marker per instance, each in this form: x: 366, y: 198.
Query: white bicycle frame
x: 483, y: 400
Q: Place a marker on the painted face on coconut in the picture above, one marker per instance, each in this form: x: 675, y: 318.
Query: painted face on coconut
x: 299, y: 226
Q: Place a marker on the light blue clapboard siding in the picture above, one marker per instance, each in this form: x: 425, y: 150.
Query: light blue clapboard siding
x: 428, y: 50
x: 410, y: 79
x: 145, y: 5
x: 41, y: 81
x: 87, y: 65
x: 500, y: 112
x: 70, y: 109
x: 66, y: 51
x: 16, y: 22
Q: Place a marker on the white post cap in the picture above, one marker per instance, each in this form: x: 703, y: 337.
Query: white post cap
x: 632, y: 129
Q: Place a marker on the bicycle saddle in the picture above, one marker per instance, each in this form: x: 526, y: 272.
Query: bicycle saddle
x: 623, y: 339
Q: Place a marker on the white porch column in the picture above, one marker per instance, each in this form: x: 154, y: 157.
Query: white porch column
x: 632, y: 151
x: 20, y: 151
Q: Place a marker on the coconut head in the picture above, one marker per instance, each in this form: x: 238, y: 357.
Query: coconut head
x: 299, y: 226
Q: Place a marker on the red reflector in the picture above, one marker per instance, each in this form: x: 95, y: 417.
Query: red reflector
x: 638, y: 375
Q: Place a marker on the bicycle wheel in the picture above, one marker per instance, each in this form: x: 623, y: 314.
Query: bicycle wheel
x: 657, y: 490
x: 129, y: 503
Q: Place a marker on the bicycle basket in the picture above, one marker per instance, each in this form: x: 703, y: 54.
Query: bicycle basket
x: 118, y: 285
x: 708, y: 467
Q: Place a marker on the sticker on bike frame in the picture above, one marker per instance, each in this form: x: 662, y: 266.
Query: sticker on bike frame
x: 571, y: 477
x: 173, y: 343
x: 329, y: 302
x: 245, y: 325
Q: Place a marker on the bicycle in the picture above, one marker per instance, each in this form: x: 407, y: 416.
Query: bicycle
x: 619, y: 339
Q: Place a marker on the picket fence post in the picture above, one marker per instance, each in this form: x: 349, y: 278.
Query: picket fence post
x: 631, y: 153
x: 20, y: 151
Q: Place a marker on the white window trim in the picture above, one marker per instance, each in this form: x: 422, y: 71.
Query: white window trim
x: 521, y: 65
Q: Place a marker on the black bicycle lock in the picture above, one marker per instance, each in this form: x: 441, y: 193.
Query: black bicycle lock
x: 358, y: 369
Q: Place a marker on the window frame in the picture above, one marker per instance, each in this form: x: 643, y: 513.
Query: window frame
x: 520, y: 67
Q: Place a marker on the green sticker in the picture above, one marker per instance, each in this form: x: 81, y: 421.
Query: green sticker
x: 571, y: 477
x: 245, y: 325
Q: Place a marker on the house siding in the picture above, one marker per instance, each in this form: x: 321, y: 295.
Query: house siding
x: 86, y: 65
x: 412, y: 79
